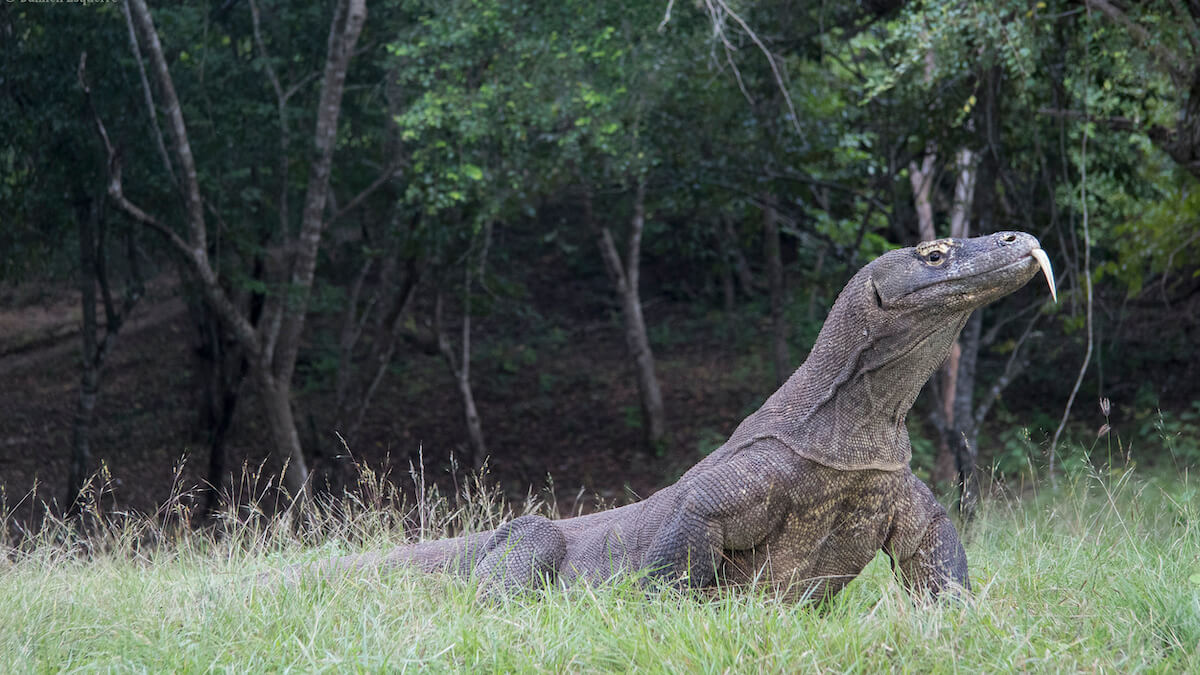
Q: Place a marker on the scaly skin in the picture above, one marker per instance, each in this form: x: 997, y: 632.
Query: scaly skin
x: 808, y: 488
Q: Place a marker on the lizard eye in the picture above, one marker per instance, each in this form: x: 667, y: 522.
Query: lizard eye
x: 935, y: 258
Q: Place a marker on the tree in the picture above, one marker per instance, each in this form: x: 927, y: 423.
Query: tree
x: 271, y: 346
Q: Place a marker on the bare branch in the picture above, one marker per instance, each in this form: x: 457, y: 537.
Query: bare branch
x: 1012, y: 368
x: 281, y: 100
x: 1115, y: 122
x: 719, y: 8
x: 196, y: 258
x: 291, y: 91
x: 115, y: 189
x: 666, y: 16
x: 1171, y: 261
x: 262, y: 52
x: 398, y: 330
x: 1087, y: 289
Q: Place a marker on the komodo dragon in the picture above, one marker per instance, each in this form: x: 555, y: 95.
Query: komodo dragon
x: 809, y: 487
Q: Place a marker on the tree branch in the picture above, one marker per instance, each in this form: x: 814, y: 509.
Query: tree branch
x: 197, y: 236
x: 383, y: 177
x: 1193, y: 33
x: 636, y: 226
x: 1012, y: 368
x: 284, y: 136
x: 1176, y: 64
x: 149, y: 98
x: 196, y: 257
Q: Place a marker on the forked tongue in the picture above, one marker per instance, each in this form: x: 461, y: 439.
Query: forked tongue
x: 1043, y: 261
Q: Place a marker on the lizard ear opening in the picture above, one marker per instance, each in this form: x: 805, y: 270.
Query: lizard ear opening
x: 878, y: 297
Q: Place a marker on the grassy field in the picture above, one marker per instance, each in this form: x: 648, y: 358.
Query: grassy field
x: 1101, y: 574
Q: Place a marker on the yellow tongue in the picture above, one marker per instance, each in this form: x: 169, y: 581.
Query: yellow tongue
x: 1044, y: 262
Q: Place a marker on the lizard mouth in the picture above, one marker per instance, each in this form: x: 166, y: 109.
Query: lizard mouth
x: 1043, y: 262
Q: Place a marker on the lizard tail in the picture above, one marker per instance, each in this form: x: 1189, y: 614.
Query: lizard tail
x: 453, y: 556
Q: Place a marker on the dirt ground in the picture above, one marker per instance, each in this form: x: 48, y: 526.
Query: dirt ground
x: 562, y: 409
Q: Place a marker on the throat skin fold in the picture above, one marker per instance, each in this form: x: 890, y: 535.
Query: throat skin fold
x: 845, y: 407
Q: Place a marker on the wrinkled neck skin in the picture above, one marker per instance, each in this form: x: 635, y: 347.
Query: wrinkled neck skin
x: 845, y: 407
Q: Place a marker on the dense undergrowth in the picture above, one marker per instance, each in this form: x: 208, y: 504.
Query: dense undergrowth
x: 1101, y: 573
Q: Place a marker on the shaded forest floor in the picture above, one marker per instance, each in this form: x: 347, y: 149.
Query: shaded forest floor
x: 558, y: 403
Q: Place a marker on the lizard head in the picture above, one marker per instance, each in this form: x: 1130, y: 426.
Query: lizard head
x: 949, y: 277
x: 889, y: 330
x: 911, y: 303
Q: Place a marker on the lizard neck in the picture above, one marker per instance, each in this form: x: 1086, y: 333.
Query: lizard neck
x: 846, y: 405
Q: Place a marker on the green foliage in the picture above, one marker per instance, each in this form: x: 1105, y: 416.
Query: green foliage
x: 505, y: 114
x: 1178, y: 433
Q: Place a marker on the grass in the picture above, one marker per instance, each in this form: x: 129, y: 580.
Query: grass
x: 1098, y: 575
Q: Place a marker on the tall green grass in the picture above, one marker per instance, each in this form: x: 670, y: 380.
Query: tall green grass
x: 1100, y: 574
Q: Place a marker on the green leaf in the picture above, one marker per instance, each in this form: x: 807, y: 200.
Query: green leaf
x: 1195, y: 579
x: 473, y: 172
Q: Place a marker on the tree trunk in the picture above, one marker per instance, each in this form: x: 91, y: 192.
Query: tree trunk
x: 921, y: 178
x: 638, y: 344
x: 90, y: 214
x: 272, y: 345
x: 964, y: 430
x: 221, y: 370
x: 461, y: 371
x: 277, y: 405
x: 86, y: 213
x: 625, y: 278
x: 740, y: 267
x: 772, y: 253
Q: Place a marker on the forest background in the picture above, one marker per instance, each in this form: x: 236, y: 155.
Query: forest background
x: 248, y: 245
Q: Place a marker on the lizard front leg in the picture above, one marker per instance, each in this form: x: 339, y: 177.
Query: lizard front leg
x: 731, y: 506
x: 924, y: 546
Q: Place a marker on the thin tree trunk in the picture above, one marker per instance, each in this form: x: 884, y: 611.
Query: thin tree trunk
x: 625, y: 278
x: 964, y: 193
x: 964, y: 430
x: 383, y: 347
x: 740, y: 267
x: 921, y: 178
x: 948, y: 466
x: 81, y: 454
x: 224, y: 373
x: 460, y: 369
x: 95, y: 350
x: 772, y: 253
